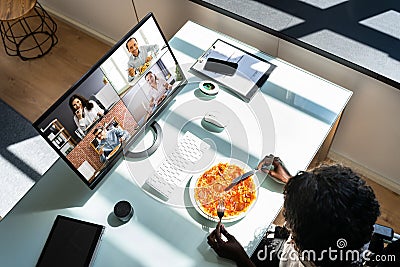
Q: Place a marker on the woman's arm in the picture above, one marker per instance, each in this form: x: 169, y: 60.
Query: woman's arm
x: 230, y: 249
x: 279, y: 172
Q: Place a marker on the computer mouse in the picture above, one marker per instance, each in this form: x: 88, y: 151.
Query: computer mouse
x: 216, y: 119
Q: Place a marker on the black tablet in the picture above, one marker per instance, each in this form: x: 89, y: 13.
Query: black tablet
x: 71, y: 242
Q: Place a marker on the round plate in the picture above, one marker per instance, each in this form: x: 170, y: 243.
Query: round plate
x: 196, y: 205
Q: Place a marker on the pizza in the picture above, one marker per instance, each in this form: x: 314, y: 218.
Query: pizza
x: 209, y: 189
x: 143, y: 68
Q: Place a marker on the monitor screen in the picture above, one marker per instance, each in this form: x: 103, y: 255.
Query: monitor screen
x: 113, y: 102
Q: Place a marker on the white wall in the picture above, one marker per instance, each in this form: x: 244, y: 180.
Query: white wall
x: 112, y: 19
x: 369, y: 133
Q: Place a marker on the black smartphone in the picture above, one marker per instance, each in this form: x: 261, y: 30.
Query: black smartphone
x: 383, y: 232
x: 221, y: 66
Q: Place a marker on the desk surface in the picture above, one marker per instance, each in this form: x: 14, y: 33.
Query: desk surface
x: 290, y: 116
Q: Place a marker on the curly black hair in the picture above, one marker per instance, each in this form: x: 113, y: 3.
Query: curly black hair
x: 328, y: 204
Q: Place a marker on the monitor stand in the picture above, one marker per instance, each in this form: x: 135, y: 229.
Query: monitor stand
x: 158, y: 135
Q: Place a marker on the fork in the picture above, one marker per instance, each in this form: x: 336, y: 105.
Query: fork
x: 220, y: 209
x: 222, y: 176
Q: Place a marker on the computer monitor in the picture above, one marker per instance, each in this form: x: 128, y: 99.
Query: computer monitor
x: 115, y: 100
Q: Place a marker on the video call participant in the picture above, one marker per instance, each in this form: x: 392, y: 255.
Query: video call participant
x: 322, y: 206
x: 108, y: 140
x: 85, y: 111
x: 139, y: 56
x: 159, y: 88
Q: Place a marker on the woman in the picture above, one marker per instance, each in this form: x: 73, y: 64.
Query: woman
x: 85, y: 111
x: 158, y: 90
x: 330, y: 213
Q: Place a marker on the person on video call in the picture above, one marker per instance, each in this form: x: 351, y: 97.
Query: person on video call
x: 139, y: 56
x: 108, y: 140
x: 321, y: 207
x: 85, y: 111
x: 159, y: 88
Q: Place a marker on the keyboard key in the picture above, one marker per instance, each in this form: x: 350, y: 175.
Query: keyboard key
x: 176, y: 166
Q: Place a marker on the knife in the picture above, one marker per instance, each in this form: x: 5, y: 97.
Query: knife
x: 267, y: 165
x: 240, y: 178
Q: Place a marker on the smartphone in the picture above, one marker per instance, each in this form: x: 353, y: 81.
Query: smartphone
x: 221, y: 66
x: 383, y: 232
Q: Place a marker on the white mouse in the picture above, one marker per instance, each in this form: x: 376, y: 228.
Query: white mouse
x: 216, y: 118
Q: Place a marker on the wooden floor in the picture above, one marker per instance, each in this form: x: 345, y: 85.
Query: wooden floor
x: 30, y: 87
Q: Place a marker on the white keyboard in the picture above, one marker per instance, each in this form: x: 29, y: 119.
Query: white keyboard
x: 175, y: 168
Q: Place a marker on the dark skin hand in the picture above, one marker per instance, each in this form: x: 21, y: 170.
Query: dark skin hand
x: 279, y: 172
x: 230, y: 249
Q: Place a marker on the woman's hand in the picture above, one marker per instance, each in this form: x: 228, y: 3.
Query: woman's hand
x: 152, y: 104
x: 161, y: 99
x: 230, y: 249
x: 278, y: 172
x: 167, y: 86
x: 79, y: 113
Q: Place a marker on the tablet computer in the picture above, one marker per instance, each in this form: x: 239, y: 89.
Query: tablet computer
x: 71, y: 242
x: 239, y: 71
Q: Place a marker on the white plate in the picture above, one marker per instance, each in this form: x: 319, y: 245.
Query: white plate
x: 196, y: 205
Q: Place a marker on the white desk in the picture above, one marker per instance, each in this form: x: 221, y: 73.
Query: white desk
x: 290, y: 116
